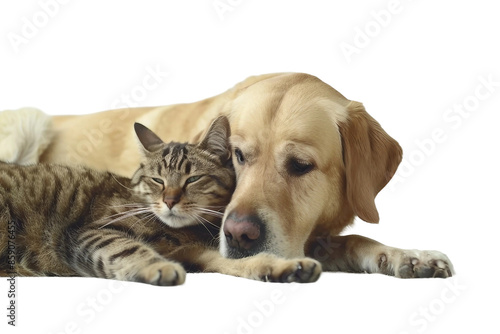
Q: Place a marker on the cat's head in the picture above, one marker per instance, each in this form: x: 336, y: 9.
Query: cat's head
x: 186, y: 184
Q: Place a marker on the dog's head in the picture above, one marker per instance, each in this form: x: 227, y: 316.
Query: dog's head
x: 306, y: 159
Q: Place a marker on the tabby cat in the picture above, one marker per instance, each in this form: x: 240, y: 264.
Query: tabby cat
x: 71, y: 221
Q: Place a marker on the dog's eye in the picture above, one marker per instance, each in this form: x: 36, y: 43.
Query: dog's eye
x: 159, y: 181
x: 239, y: 156
x: 299, y: 168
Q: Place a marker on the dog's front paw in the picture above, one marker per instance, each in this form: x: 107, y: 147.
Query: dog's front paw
x: 297, y: 270
x: 417, y: 264
x: 162, y: 273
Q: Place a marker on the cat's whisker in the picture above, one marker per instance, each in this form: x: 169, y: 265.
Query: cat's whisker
x: 124, y: 213
x: 114, y: 177
x: 209, y: 213
x: 220, y: 207
x: 131, y: 205
x: 125, y: 216
x: 150, y: 216
x: 217, y: 238
x: 212, y: 214
x: 120, y: 219
x: 194, y: 217
x: 217, y: 213
x: 197, y: 218
x: 208, y: 210
x: 206, y: 220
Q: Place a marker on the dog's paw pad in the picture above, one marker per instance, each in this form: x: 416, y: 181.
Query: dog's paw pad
x: 423, y: 264
x: 298, y: 271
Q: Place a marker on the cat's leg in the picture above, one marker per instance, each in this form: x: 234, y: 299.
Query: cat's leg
x: 24, y: 135
x: 262, y: 267
x: 354, y: 253
x: 108, y: 253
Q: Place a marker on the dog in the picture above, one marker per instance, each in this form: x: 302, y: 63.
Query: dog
x: 307, y: 161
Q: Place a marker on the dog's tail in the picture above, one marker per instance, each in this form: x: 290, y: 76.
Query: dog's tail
x: 24, y: 135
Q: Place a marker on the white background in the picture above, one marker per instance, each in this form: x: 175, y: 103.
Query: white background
x: 428, y: 57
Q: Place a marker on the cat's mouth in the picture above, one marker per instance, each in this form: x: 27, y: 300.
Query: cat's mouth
x: 175, y: 219
x: 178, y: 217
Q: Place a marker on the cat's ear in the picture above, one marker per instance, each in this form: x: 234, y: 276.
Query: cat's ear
x: 216, y: 140
x: 149, y: 140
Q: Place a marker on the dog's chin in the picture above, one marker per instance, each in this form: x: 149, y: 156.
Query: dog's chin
x: 236, y: 253
x: 269, y: 247
x: 239, y: 253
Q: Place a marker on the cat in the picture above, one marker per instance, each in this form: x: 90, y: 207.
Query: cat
x: 74, y: 221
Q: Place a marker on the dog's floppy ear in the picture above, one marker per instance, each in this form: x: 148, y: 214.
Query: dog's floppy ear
x: 371, y: 158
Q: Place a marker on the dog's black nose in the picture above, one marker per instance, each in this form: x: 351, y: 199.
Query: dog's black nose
x: 243, y: 232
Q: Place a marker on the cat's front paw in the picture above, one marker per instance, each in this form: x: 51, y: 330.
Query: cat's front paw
x: 162, y: 273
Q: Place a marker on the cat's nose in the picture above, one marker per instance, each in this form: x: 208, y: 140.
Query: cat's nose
x: 171, y: 197
x: 171, y: 201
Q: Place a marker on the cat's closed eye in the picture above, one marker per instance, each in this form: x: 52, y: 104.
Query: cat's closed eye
x: 159, y: 181
x: 193, y: 179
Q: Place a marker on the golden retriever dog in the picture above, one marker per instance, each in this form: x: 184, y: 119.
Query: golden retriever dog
x: 307, y: 161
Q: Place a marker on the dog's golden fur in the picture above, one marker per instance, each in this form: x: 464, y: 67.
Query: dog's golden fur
x: 275, y: 118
